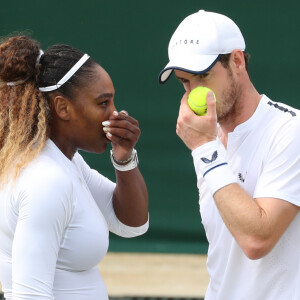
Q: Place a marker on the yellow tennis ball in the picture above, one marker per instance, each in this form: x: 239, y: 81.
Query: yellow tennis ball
x: 197, y: 100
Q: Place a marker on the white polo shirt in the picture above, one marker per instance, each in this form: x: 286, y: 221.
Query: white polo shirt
x: 264, y: 154
x: 54, y: 229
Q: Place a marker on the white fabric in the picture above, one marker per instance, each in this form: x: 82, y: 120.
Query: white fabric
x: 264, y: 155
x: 54, y: 228
x: 212, y: 165
x: 198, y: 41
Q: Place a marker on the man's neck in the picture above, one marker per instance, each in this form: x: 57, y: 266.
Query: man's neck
x: 245, y: 107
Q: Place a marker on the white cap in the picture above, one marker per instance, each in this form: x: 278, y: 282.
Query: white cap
x: 198, y: 42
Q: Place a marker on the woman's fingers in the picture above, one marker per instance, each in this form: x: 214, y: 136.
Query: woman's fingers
x: 123, y: 131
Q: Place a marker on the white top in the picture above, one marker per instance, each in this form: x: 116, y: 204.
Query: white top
x: 264, y: 154
x: 54, y: 229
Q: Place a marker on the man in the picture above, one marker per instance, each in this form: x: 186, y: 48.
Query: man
x: 246, y: 153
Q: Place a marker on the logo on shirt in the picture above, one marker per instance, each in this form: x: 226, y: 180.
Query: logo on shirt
x: 284, y: 109
x: 241, y: 178
x: 213, y: 158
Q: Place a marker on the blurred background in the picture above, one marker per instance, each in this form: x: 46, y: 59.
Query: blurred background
x: 129, y: 38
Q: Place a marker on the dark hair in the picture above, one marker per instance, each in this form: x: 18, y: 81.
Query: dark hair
x: 224, y: 60
x: 56, y: 62
x: 18, y: 57
x: 25, y: 113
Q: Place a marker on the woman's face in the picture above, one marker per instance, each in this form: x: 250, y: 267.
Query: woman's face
x: 92, y: 105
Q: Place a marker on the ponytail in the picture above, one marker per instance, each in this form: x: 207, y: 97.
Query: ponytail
x: 24, y: 111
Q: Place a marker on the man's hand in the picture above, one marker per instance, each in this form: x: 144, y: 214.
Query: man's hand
x: 197, y: 130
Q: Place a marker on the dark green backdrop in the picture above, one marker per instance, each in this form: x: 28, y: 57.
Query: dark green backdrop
x: 129, y: 38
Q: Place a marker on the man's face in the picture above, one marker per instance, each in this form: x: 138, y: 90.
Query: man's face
x: 222, y: 81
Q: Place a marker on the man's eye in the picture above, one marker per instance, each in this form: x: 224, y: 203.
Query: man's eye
x: 203, y: 75
x: 183, y: 80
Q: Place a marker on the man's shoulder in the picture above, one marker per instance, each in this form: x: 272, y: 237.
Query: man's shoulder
x: 279, y: 117
x: 279, y: 109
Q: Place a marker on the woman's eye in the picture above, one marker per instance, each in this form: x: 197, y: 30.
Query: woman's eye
x: 103, y: 103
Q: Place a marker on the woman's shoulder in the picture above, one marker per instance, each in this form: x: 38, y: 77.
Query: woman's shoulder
x: 44, y: 171
x: 38, y: 184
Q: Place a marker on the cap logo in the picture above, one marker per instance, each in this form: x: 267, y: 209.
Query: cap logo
x: 185, y: 42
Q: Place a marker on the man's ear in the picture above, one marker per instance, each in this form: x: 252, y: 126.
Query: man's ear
x: 62, y: 107
x: 238, y: 60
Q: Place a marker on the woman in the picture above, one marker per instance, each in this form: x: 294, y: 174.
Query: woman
x: 56, y: 212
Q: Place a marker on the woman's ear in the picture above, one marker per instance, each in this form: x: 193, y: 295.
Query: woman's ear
x: 62, y: 107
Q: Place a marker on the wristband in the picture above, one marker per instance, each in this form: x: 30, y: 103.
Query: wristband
x: 210, y: 162
x: 125, y: 165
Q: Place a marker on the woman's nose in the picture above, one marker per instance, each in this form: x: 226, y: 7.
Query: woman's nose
x: 112, y: 109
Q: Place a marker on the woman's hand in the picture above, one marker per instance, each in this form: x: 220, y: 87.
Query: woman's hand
x: 124, y: 132
x: 130, y: 198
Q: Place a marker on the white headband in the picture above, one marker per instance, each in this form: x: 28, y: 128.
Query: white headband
x: 69, y: 74
x: 12, y: 83
x: 39, y: 57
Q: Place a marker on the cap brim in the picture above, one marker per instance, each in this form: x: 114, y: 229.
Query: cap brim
x: 195, y: 65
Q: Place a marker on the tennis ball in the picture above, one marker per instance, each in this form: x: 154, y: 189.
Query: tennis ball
x: 197, y: 100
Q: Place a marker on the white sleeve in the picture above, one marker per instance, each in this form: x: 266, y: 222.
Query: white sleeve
x: 45, y: 208
x: 280, y: 176
x: 102, y: 190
